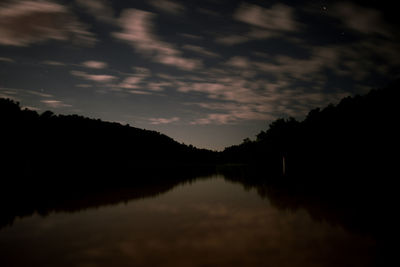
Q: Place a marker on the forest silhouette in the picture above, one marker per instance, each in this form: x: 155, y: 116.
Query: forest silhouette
x: 357, y: 138
x: 70, y: 145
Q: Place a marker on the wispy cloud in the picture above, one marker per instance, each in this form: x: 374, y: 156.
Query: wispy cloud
x: 361, y: 19
x: 208, y: 12
x: 131, y: 82
x: 231, y: 39
x: 26, y: 22
x: 7, y: 59
x: 233, y: 95
x: 8, y: 93
x: 192, y: 36
x: 356, y: 60
x: 83, y: 85
x: 53, y: 63
x: 238, y: 62
x: 232, y: 99
x: 55, y: 103
x: 264, y: 23
x: 100, y: 78
x: 200, y: 50
x: 30, y: 108
x: 94, y: 64
x: 168, y: 6
x: 23, y: 93
x: 137, y: 30
x: 214, y: 118
x: 139, y: 92
x: 158, y: 86
x: 277, y: 18
x: 41, y: 94
x: 229, y: 113
x: 303, y: 69
x: 157, y: 121
x: 134, y: 81
x: 100, y: 9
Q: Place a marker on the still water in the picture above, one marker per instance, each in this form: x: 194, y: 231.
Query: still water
x: 206, y: 222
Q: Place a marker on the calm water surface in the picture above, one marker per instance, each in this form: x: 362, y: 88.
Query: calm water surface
x: 209, y: 222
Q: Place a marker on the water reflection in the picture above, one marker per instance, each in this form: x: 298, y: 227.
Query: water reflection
x: 72, y: 194
x: 207, y: 222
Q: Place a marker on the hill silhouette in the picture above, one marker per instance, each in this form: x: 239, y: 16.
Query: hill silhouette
x: 73, y: 145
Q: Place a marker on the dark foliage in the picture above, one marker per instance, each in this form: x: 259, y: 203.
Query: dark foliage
x: 357, y: 138
x: 59, y: 145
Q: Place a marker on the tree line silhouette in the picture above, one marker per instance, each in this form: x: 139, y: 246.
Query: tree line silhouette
x: 73, y: 145
x: 356, y: 138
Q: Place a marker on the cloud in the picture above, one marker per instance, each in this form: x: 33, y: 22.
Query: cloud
x: 134, y: 81
x: 229, y: 113
x: 100, y: 78
x: 264, y: 22
x: 137, y: 82
x: 208, y: 12
x: 302, y: 69
x: 238, y: 62
x: 157, y: 121
x: 7, y: 59
x: 233, y: 97
x: 361, y: 19
x: 158, y: 86
x: 180, y: 62
x: 55, y: 104
x: 277, y: 18
x: 41, y: 94
x: 94, y: 64
x: 142, y: 71
x: 26, y: 22
x: 131, y: 82
x: 215, y: 118
x: 232, y: 39
x: 168, y: 6
x: 19, y: 93
x: 53, y: 63
x: 137, y: 30
x: 200, y: 50
x: 192, y: 36
x: 30, y: 108
x: 9, y: 93
x: 357, y: 61
x: 139, y: 92
x: 83, y: 85
x: 100, y: 9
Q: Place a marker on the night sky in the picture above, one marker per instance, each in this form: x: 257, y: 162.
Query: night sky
x: 208, y: 73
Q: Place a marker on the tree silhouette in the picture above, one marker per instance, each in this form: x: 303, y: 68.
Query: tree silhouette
x: 354, y: 138
x: 76, y: 145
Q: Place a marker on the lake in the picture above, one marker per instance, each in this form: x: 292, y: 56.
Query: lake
x: 209, y: 221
